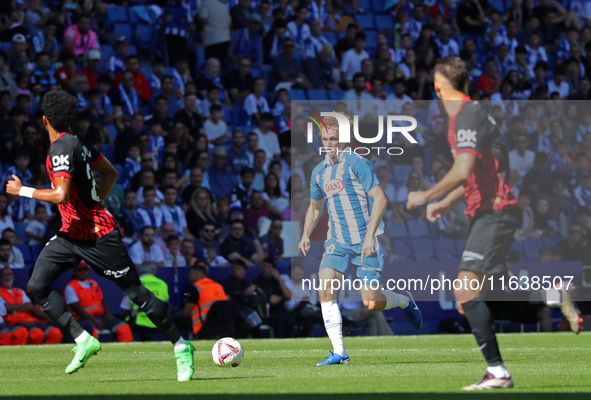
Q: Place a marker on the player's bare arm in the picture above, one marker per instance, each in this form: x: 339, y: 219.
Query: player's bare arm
x: 109, y: 176
x: 459, y: 173
x: 60, y: 194
x: 441, y: 207
x: 312, y: 218
x: 378, y: 209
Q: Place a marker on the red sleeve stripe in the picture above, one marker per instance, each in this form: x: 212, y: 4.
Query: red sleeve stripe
x: 98, y: 160
x: 66, y: 174
x: 471, y: 151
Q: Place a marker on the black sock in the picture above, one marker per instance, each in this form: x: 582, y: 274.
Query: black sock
x: 481, y: 322
x: 156, y: 310
x: 56, y: 308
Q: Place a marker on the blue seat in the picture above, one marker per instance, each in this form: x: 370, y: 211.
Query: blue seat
x: 384, y: 22
x: 143, y: 36
x: 115, y: 15
x: 227, y: 115
x: 266, y: 72
x: 400, y: 173
x: 106, y: 52
x: 403, y: 250
x: 418, y: 229
x: 19, y: 228
x: 531, y: 247
x: 396, y: 231
x: 317, y: 94
x: 124, y: 29
x: 552, y: 241
x: 445, y: 248
x: 423, y: 247
x: 200, y: 59
x: 239, y: 116
x: 365, y: 4
x: 35, y: 251
x: 25, y: 250
x: 297, y: 94
x: 365, y: 22
x: 112, y: 131
x: 378, y: 6
x: 331, y: 37
x: 335, y: 94
x: 140, y: 15
x: 108, y: 151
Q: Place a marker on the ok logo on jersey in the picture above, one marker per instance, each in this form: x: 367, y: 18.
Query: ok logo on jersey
x: 61, y: 162
x: 466, y: 138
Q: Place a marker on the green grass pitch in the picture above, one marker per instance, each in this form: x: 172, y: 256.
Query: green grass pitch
x: 415, y: 367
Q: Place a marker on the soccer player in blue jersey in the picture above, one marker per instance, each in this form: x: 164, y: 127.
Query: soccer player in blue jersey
x: 348, y: 182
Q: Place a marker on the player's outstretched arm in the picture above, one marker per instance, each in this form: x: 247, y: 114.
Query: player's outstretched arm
x: 457, y: 175
x: 60, y: 194
x: 312, y: 218
x: 441, y: 207
x: 109, y: 176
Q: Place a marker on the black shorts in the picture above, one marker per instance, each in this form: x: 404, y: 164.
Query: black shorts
x: 490, y: 238
x: 107, y: 256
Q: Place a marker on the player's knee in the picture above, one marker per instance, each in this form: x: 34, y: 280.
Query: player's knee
x: 138, y: 294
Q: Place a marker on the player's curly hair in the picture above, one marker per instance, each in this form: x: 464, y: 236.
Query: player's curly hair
x: 333, y: 124
x: 60, y: 109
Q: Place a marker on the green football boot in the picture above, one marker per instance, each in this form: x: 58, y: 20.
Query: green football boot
x: 83, y: 351
x: 184, y: 362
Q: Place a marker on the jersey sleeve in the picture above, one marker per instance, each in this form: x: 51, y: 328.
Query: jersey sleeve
x: 473, y: 130
x: 315, y: 189
x: 95, y: 155
x: 364, y: 171
x: 61, y: 155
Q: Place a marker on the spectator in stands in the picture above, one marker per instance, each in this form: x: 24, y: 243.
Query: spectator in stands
x: 42, y: 79
x: 240, y: 13
x: 248, y: 43
x: 140, y: 83
x: 272, y: 242
x: 200, y: 211
x: 257, y: 210
x: 215, y: 20
x: 129, y: 219
x: 558, y: 84
x: 188, y: 252
x: 45, y: 40
x: 582, y: 193
x: 244, y: 292
x: 538, y: 181
x: 521, y: 159
x: 222, y: 180
x: 351, y: 60
x: 470, y: 18
x: 319, y: 69
x: 286, y: 71
x: 201, y: 295
x: 21, y: 161
x: 166, y: 103
x: 545, y: 255
x: 173, y: 257
x: 274, y: 198
x: 176, y: 29
x: 5, y: 219
x: 141, y: 322
x: 240, y: 195
x: 15, y: 260
x: 237, y: 158
x: 571, y: 248
x: 258, y: 165
x: 195, y: 182
x: 348, y: 42
x: 85, y: 301
x: 35, y: 230
x: 152, y: 215
x: 5, y: 253
x: 16, y: 336
x: 544, y: 225
x: 117, y: 61
x: 273, y: 41
x: 80, y: 38
x: 145, y: 249
x: 255, y: 103
x: 124, y: 97
x: 239, y: 82
x: 17, y: 60
x: 277, y: 294
x: 20, y: 311
x: 313, y: 45
x: 189, y: 116
x: 267, y: 138
x: 215, y: 127
x: 7, y: 83
x: 205, y: 239
x: 490, y: 81
x: 235, y: 247
x: 173, y: 213
x: 584, y: 146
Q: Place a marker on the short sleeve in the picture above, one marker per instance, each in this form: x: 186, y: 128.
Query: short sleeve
x: 473, y: 130
x: 315, y: 190
x: 364, y: 171
x: 95, y: 155
x: 70, y: 295
x: 61, y: 156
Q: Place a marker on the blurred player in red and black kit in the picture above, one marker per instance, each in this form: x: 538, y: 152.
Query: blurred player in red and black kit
x: 479, y: 174
x: 89, y: 232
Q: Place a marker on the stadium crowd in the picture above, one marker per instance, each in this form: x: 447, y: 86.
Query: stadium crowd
x: 191, y: 100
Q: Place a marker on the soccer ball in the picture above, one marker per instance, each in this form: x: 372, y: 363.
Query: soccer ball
x: 227, y: 351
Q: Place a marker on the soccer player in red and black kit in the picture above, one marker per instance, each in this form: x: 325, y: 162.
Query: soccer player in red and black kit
x: 89, y: 232
x: 479, y: 174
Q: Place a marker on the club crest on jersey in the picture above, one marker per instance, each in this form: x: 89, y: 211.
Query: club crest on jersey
x: 61, y: 162
x: 334, y: 186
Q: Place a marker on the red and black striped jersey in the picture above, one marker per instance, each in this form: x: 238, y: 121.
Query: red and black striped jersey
x: 473, y: 130
x: 84, y: 218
